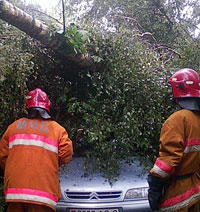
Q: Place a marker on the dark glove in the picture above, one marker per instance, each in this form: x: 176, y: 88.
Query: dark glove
x: 156, y: 185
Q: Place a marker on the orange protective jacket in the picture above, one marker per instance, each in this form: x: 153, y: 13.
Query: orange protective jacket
x: 31, y: 151
x: 179, y: 160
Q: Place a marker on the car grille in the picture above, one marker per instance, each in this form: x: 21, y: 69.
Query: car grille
x: 111, y: 195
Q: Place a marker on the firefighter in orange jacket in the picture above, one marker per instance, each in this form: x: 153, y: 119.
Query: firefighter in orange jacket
x: 31, y: 151
x: 174, y: 182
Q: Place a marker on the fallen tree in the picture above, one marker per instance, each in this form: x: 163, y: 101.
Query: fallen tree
x: 37, y: 30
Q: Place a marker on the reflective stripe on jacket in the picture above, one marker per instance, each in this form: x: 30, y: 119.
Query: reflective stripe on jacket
x: 179, y: 155
x: 31, y: 151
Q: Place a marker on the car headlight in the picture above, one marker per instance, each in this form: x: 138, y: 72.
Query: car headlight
x: 137, y: 193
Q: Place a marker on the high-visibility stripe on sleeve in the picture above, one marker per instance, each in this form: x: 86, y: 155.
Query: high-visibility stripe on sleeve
x: 31, y: 195
x: 192, y: 145
x: 33, y: 140
x: 162, y: 169
x: 181, y: 200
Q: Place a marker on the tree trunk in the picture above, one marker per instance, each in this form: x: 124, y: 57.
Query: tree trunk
x: 41, y: 32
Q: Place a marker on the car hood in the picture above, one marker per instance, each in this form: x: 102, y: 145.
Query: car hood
x: 73, y: 177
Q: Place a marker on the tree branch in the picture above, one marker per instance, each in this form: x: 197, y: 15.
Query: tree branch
x: 133, y: 19
x: 41, y: 32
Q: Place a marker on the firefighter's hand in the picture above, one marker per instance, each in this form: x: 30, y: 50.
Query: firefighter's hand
x: 156, y: 185
x: 154, y: 199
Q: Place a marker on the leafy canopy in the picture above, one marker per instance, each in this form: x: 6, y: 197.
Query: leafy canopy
x: 117, y: 110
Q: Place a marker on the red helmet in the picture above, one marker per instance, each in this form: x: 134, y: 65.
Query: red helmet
x: 37, y: 99
x: 185, y: 83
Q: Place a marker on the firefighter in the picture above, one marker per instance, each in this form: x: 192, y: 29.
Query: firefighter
x: 174, y: 182
x: 31, y: 151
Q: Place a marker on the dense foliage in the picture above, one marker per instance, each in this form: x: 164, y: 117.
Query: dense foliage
x: 118, y: 110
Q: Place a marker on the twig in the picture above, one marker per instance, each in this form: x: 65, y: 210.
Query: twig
x: 63, y: 13
x: 126, y: 17
x: 146, y: 33
x: 47, y: 16
x: 169, y: 49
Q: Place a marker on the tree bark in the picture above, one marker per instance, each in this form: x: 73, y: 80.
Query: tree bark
x: 37, y: 30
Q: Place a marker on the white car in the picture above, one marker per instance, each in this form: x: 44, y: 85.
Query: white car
x: 94, y: 193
